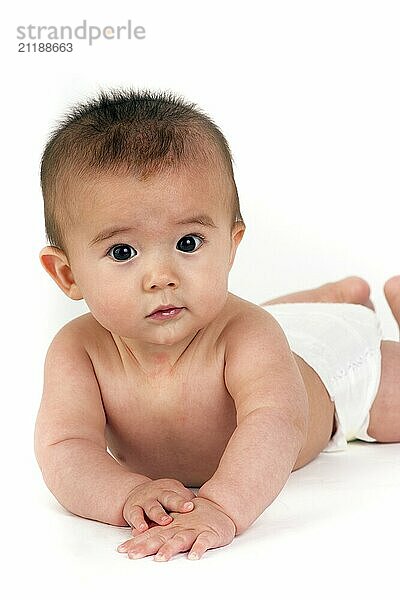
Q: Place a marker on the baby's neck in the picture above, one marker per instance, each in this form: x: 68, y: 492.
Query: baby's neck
x: 155, y: 359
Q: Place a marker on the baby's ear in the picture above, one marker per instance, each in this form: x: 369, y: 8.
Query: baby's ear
x: 237, y: 234
x: 56, y: 264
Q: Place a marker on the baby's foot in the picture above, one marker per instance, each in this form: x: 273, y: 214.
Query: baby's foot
x: 392, y: 293
x: 352, y: 290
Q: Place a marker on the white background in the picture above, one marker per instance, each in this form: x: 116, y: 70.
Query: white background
x: 307, y: 94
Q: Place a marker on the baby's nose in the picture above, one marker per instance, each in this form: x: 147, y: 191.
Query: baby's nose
x: 170, y: 284
x: 160, y: 272
x: 160, y: 280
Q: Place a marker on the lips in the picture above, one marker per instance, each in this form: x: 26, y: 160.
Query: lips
x: 164, y: 308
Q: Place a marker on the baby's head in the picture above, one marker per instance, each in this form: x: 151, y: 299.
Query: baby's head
x: 141, y: 210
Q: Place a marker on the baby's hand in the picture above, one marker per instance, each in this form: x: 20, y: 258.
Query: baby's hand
x: 207, y: 526
x: 150, y: 497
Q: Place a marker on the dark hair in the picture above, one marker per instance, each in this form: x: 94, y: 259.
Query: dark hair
x: 140, y: 132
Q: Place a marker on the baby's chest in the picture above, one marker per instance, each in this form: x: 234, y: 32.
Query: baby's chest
x: 193, y: 408
x: 178, y: 429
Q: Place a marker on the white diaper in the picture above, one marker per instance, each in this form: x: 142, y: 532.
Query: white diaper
x: 341, y: 342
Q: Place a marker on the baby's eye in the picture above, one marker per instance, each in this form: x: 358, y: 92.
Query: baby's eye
x: 186, y: 243
x: 121, y: 252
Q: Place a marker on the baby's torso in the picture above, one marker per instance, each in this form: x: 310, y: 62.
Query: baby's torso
x: 178, y: 425
x: 174, y: 425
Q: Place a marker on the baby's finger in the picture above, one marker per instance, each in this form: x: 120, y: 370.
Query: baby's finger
x: 136, y: 532
x: 135, y: 518
x: 156, y: 513
x: 203, y: 543
x: 176, y: 502
x: 188, y: 494
x: 181, y: 542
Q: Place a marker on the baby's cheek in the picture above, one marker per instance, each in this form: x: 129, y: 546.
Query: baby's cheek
x: 212, y: 296
x: 217, y: 287
x: 111, y: 317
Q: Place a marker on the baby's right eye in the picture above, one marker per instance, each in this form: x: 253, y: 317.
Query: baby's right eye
x: 121, y: 252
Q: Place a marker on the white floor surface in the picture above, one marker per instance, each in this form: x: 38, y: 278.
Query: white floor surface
x: 333, y: 532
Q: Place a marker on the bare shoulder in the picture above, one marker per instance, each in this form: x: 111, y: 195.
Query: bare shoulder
x: 260, y: 369
x: 71, y: 404
x: 248, y: 321
x: 85, y: 331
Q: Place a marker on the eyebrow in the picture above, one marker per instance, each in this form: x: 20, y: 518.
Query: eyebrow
x: 110, y: 232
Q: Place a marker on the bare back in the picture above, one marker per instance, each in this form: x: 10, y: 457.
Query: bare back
x: 178, y: 425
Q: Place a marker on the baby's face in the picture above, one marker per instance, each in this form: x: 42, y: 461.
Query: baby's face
x: 164, y: 257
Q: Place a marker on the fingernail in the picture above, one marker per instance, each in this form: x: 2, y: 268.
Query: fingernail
x: 188, y: 505
x: 160, y: 557
x: 164, y: 519
x: 121, y: 548
x: 142, y: 526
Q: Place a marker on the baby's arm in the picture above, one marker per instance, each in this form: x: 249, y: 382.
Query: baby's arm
x: 70, y: 444
x: 71, y: 450
x: 262, y: 377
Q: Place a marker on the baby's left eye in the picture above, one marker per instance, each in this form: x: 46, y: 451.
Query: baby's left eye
x: 186, y: 243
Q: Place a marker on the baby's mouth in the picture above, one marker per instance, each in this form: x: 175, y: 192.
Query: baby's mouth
x: 165, y: 313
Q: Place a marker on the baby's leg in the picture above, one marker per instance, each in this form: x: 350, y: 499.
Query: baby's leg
x: 384, y: 423
x: 353, y: 290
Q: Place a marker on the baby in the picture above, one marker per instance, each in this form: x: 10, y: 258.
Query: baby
x: 170, y: 381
